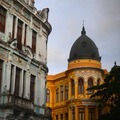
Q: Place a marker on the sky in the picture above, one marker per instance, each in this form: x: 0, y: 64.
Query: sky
x: 102, y: 25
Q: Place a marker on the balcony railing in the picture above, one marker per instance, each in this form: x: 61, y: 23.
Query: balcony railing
x: 10, y: 101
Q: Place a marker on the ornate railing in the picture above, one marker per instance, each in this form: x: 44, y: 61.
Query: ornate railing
x: 8, y: 100
x: 17, y: 101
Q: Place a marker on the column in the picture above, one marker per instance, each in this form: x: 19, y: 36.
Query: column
x: 13, y: 80
x: 69, y: 91
x: 70, y: 113
x: 16, y: 24
x: 27, y: 88
x: 8, y: 72
x: 76, y: 89
x: 4, y: 77
x: 85, y: 87
x: 8, y: 26
x: 29, y: 36
x: 23, y: 33
x: 86, y: 112
x: 21, y: 83
x: 76, y: 113
x: 96, y: 112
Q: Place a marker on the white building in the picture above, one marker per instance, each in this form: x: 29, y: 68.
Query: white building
x: 24, y: 32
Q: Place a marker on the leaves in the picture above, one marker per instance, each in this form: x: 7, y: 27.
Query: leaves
x: 109, y: 94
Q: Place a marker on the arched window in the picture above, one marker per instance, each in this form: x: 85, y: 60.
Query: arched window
x: 57, y: 95
x: 98, y: 81
x: 72, y: 87
x: 90, y: 84
x: 80, y: 86
x: 48, y: 96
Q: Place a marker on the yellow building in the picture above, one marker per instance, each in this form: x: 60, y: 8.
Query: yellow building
x: 66, y: 91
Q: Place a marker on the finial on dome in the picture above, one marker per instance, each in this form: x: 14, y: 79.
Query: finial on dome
x: 115, y: 63
x: 83, y: 32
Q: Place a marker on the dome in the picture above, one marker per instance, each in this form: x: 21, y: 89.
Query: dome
x: 84, y: 48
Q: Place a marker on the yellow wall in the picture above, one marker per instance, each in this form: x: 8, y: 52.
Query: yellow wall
x: 80, y: 68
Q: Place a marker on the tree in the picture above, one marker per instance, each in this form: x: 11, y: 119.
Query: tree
x: 109, y: 94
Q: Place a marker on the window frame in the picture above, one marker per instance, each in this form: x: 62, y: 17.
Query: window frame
x: 61, y: 92
x: 34, y: 40
x: 81, y: 114
x: 90, y: 84
x: 17, y: 81
x: 19, y: 34
x: 32, y: 87
x: 2, y: 19
x: 72, y: 87
x: 80, y: 86
x: 47, y: 95
x: 66, y: 92
x: 57, y: 95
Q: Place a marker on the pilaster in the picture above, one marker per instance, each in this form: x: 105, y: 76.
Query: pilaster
x: 21, y: 83
x: 15, y: 33
x: 13, y: 80
x: 86, y: 112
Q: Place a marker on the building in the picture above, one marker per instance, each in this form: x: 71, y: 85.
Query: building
x: 24, y: 32
x: 66, y: 91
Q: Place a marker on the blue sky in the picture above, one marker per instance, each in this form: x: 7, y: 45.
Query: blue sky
x: 102, y: 24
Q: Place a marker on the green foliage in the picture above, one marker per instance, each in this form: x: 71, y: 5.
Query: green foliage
x: 109, y: 94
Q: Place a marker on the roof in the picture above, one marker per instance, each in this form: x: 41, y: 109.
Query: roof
x: 84, y: 48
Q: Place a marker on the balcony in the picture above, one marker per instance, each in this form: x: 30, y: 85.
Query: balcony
x: 23, y: 104
x: 16, y: 101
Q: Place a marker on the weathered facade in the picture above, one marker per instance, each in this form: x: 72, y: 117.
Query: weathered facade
x: 24, y: 32
x: 66, y: 91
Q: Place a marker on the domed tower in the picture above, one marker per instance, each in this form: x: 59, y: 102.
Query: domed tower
x: 84, y: 71
x: 67, y: 93
x: 84, y: 53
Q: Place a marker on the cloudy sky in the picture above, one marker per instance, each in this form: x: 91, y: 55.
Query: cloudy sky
x: 102, y: 24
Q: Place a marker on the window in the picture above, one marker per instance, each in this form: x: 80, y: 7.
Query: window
x: 48, y: 96
x: 57, y: 95
x: 61, y: 116
x: 34, y: 41
x: 66, y: 116
x: 91, y: 114
x: 98, y: 81
x: 72, y: 87
x: 81, y: 114
x: 19, y: 34
x: 24, y: 83
x: 25, y: 35
x: 80, y: 86
x: 90, y: 84
x: 32, y: 88
x: 13, y: 28
x: 66, y: 92
x: 56, y: 117
x: 2, y: 19
x: 61, y: 93
x: 1, y: 69
x: 11, y: 77
x: 73, y: 113
x: 17, y: 81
